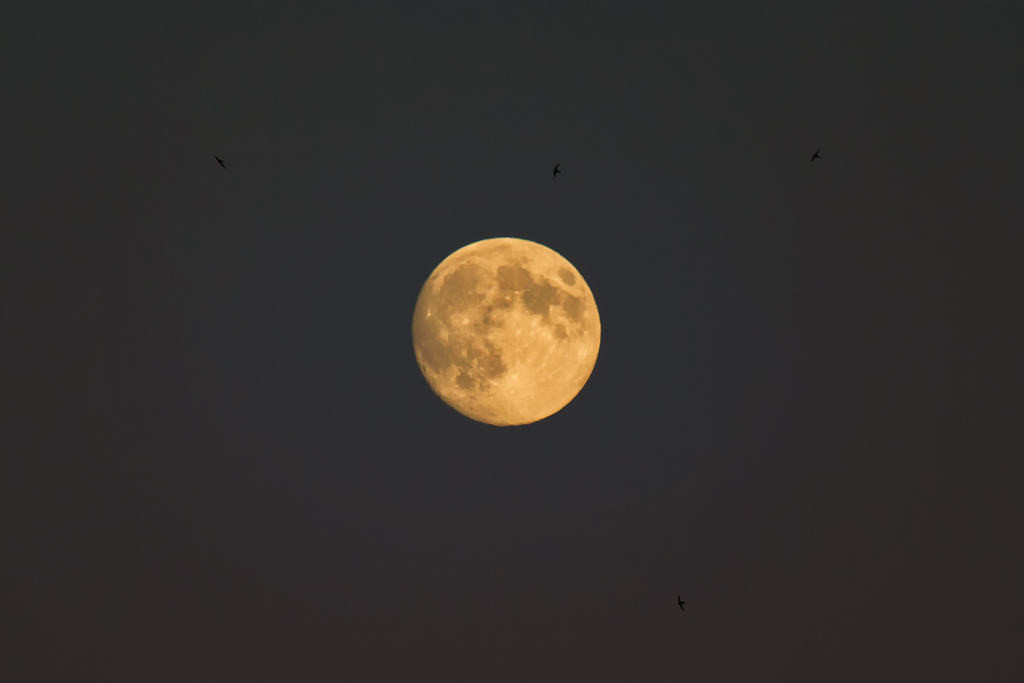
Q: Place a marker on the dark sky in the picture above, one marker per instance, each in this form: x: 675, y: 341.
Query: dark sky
x: 219, y: 460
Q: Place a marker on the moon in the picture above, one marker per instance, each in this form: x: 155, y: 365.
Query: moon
x: 506, y: 331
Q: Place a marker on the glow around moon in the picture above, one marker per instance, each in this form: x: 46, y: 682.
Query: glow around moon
x: 506, y: 331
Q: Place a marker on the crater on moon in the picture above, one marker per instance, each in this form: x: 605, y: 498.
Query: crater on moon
x: 506, y: 331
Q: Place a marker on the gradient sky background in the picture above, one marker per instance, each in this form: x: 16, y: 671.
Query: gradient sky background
x: 219, y: 460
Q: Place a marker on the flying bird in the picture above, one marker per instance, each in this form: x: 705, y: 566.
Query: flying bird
x: 816, y: 156
x: 220, y: 161
x: 556, y: 171
x: 681, y: 602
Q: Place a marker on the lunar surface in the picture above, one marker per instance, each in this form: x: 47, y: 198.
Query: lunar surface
x: 506, y: 331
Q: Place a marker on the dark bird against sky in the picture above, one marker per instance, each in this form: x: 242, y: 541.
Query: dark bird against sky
x: 556, y: 171
x: 681, y: 602
x: 220, y: 161
x: 816, y: 156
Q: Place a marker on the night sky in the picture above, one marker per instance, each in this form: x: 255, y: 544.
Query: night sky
x: 220, y: 462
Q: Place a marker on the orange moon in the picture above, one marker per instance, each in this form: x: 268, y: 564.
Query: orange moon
x: 506, y: 331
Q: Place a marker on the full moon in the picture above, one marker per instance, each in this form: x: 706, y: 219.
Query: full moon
x: 506, y: 331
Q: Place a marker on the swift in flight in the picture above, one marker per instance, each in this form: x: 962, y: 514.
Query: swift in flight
x: 816, y: 156
x: 220, y: 161
x: 556, y: 171
x: 681, y: 602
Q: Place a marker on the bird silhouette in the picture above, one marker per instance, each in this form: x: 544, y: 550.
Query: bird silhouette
x: 681, y: 602
x: 556, y: 171
x: 220, y: 161
x: 816, y: 156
